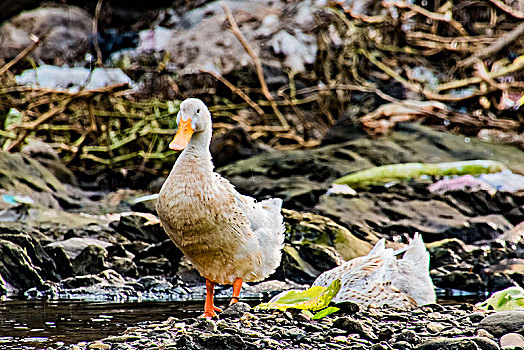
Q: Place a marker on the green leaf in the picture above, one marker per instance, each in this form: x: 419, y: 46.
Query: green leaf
x: 323, y: 313
x: 511, y: 298
x: 314, y: 298
x: 406, y: 171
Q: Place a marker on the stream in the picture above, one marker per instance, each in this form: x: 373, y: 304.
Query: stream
x: 38, y: 324
x: 49, y: 324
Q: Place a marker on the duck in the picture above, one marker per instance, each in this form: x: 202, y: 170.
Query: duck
x: 382, y: 277
x: 228, y: 237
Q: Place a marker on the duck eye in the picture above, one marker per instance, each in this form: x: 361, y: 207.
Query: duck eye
x: 198, y: 111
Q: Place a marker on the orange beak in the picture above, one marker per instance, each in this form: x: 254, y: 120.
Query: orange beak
x: 183, y: 135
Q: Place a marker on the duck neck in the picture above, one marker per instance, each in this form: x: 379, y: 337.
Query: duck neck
x: 198, y: 148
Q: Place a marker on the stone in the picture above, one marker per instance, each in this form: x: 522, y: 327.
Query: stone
x: 309, y: 228
x: 124, y: 266
x: 138, y: 228
x: 35, y: 252
x: 503, y: 322
x: 22, y: 175
x: 435, y: 327
x: 74, y: 246
x: 68, y: 29
x: 448, y: 251
x: 62, y: 262
x: 452, y: 276
x: 511, y: 341
x: 464, y: 343
x: 16, y: 266
x: 91, y: 260
x: 236, y: 310
x: 81, y: 281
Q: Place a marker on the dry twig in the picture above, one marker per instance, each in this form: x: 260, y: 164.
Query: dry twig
x: 237, y: 91
x: 256, y: 61
x: 24, y: 52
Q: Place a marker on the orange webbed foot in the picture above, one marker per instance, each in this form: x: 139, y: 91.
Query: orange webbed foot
x: 211, y: 312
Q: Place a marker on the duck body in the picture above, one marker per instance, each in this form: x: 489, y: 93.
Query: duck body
x: 209, y: 221
x: 381, y: 278
x: 228, y: 237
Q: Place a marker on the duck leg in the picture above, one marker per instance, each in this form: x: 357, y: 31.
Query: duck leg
x: 237, y: 285
x: 209, y: 307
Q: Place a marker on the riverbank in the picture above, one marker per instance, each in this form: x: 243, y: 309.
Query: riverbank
x: 458, y: 326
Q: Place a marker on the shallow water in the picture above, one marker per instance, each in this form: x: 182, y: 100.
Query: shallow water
x: 37, y: 324
x: 40, y: 324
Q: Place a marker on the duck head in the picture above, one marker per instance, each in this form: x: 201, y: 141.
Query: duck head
x: 192, y: 118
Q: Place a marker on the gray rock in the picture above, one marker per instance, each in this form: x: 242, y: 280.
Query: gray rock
x: 124, y: 266
x: 68, y: 29
x: 74, y: 246
x: 511, y: 341
x: 137, y: 228
x: 470, y: 343
x: 503, y: 322
x: 63, y: 264
x: 236, y: 310
x: 16, y: 266
x: 90, y: 260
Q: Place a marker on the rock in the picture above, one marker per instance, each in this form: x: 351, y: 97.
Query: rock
x: 63, y: 264
x: 91, y: 260
x: 472, y: 343
x: 37, y: 256
x: 294, y: 267
x: 187, y: 273
x: 455, y: 276
x: 435, y: 327
x: 165, y: 249
x: 48, y: 157
x: 503, y: 322
x: 74, y: 246
x: 16, y: 266
x: 81, y: 281
x: 308, y: 228
x: 138, y: 228
x: 124, y: 266
x: 447, y: 252
x: 237, y: 310
x: 25, y: 176
x: 152, y: 265
x: 511, y: 341
x: 68, y: 29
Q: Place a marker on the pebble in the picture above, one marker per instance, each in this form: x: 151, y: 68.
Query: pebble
x: 432, y: 327
x: 511, y: 341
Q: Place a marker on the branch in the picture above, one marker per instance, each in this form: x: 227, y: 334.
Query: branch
x: 257, y: 63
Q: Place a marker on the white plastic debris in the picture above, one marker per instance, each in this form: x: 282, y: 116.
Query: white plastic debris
x: 300, y: 49
x: 155, y: 40
x: 341, y: 189
x: 72, y: 79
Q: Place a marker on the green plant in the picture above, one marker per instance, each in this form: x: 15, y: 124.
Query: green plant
x: 316, y: 298
x: 511, y: 298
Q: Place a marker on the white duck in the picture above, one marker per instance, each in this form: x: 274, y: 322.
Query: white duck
x: 228, y: 237
x: 379, y: 278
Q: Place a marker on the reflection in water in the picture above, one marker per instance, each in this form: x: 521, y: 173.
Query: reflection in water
x: 38, y: 324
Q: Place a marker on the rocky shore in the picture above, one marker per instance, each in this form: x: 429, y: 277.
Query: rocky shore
x: 430, y: 327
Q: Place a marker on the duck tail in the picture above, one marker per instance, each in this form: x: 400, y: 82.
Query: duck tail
x: 417, y: 254
x: 378, y: 248
x: 274, y: 206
